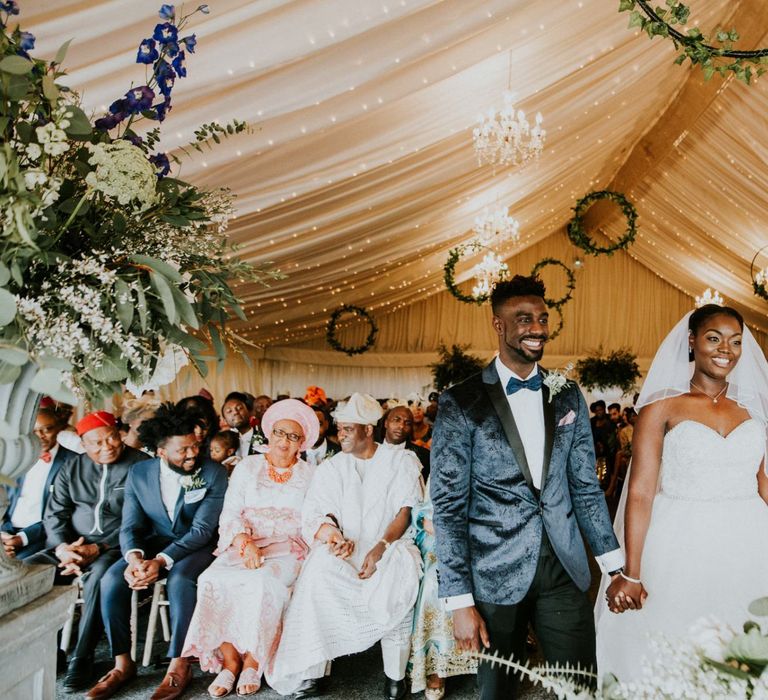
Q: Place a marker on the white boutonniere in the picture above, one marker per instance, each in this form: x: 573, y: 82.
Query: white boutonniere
x: 557, y: 379
x: 193, y: 481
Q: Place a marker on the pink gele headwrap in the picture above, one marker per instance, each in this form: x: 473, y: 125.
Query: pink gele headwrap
x: 295, y: 410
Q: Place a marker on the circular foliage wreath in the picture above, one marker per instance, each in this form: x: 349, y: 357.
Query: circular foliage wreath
x: 449, y: 270
x: 570, y: 284
x: 553, y: 334
x: 330, y: 334
x: 581, y: 239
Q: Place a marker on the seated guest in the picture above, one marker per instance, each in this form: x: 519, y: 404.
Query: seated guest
x: 223, y: 449
x: 172, y: 507
x: 135, y: 412
x: 237, y: 416
x: 260, y: 405
x: 360, y: 581
x: 241, y: 597
x: 23, y: 533
x: 422, y: 431
x: 434, y: 655
x: 323, y: 448
x: 315, y: 397
x: 207, y: 423
x: 82, y: 526
x: 431, y: 410
x: 398, y: 426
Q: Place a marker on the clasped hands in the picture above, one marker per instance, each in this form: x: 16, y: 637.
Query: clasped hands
x: 11, y: 543
x: 623, y: 595
x: 142, y: 573
x: 343, y: 548
x: 75, y: 556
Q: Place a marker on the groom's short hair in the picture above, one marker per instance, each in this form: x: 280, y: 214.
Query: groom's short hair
x: 518, y: 286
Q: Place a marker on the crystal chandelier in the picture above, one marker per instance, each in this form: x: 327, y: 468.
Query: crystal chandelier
x: 496, y: 226
x: 488, y: 272
x: 506, y: 137
x: 710, y: 297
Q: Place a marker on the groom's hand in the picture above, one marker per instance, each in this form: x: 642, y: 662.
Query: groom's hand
x: 469, y: 629
x: 623, y: 595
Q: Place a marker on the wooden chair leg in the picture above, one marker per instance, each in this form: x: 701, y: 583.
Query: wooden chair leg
x: 151, y: 625
x: 66, y: 631
x: 134, y: 623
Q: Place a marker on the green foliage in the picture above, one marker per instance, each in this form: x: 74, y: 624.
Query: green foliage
x: 600, y: 371
x: 330, y: 334
x: 714, y: 54
x: 454, y: 366
x: 581, y: 239
x: 449, y: 272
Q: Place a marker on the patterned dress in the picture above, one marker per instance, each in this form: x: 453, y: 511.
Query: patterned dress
x: 245, y: 606
x: 432, y: 645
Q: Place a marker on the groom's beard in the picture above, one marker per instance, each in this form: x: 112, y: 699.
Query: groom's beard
x: 526, y: 354
x: 180, y: 470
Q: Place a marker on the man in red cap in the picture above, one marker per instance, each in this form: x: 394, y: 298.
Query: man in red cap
x: 82, y: 526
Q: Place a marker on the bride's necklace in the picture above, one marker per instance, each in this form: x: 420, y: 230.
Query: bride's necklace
x: 715, y: 397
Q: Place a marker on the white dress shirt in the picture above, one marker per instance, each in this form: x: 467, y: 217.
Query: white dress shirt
x: 399, y: 446
x: 528, y: 411
x: 315, y: 455
x: 169, y: 493
x: 29, y: 507
x: 245, y: 443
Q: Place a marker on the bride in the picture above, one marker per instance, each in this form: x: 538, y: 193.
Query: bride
x: 696, y: 523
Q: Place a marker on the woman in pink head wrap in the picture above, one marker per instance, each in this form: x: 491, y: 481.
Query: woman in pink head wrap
x: 241, y: 596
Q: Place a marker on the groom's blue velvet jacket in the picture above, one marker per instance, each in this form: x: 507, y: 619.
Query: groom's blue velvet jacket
x: 488, y: 517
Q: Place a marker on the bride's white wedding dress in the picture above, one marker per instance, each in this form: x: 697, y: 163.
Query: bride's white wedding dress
x: 706, y: 551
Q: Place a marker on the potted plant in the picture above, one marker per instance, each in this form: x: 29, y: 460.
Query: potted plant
x: 602, y: 371
x: 454, y: 366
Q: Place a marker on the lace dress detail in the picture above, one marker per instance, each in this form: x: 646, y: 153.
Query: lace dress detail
x: 706, y: 550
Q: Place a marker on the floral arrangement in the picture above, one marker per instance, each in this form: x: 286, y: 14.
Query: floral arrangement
x: 618, y: 368
x: 107, y: 262
x: 454, y: 366
x: 193, y: 481
x: 694, y: 45
x: 333, y: 321
x: 581, y: 239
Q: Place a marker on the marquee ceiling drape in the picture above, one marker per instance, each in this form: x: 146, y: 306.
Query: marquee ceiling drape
x: 360, y: 174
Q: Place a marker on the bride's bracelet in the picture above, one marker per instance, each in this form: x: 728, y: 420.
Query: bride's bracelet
x: 629, y: 578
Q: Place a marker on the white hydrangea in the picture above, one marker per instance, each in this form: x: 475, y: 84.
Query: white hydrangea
x: 33, y: 151
x: 122, y: 173
x: 52, y: 139
x: 33, y: 178
x: 711, y: 637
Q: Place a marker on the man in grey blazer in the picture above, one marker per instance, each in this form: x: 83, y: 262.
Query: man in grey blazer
x: 514, y: 488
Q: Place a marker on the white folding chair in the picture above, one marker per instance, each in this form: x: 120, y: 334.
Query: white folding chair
x: 159, y: 608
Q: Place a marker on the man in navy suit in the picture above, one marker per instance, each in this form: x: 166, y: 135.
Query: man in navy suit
x: 170, y: 519
x: 23, y: 533
x: 514, y: 488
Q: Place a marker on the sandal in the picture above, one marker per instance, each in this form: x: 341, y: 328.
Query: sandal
x: 226, y: 680
x: 248, y: 676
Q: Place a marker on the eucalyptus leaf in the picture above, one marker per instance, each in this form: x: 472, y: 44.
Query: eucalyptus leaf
x: 9, y: 373
x: 13, y: 355
x: 218, y: 346
x: 185, y: 309
x: 163, y: 290
x: 62, y: 52
x: 56, y: 362
x: 7, y: 307
x: 18, y: 86
x: 79, y: 124
x: 110, y: 370
x: 5, y: 274
x: 186, y: 341
x: 759, y: 607
x: 50, y: 90
x: 158, y: 266
x: 48, y: 381
x: 16, y: 65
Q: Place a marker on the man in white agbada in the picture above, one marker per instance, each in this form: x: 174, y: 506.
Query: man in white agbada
x: 360, y: 581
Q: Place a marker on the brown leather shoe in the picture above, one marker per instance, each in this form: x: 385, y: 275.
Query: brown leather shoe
x: 173, y: 685
x: 108, y: 685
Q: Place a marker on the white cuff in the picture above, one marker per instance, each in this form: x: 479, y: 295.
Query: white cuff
x: 456, y: 602
x: 23, y: 536
x: 168, y: 561
x: 131, y: 551
x: 610, y: 561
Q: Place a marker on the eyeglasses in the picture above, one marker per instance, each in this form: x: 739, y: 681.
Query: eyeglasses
x: 292, y: 437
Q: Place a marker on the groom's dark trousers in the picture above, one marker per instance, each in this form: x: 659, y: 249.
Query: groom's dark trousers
x: 561, y: 616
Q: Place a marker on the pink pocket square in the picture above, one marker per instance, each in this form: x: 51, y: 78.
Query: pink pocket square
x: 567, y: 419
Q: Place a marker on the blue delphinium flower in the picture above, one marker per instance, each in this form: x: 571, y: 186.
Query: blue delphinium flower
x: 135, y: 139
x: 178, y: 65
x: 167, y: 12
x: 161, y: 163
x: 165, y: 33
x: 190, y: 42
x: 147, y: 52
x: 110, y: 121
x: 11, y: 7
x: 139, y: 99
x: 119, y: 107
x: 172, y: 49
x: 165, y: 76
x: 162, y: 108
x: 27, y: 41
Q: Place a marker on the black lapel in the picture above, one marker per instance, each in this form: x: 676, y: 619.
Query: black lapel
x: 500, y: 404
x: 549, y: 431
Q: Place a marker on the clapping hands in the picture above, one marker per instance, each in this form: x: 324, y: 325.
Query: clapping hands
x: 623, y: 595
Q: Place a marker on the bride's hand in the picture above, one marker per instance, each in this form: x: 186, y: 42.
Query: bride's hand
x: 625, y: 595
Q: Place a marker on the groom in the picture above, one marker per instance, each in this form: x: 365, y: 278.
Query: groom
x: 513, y: 484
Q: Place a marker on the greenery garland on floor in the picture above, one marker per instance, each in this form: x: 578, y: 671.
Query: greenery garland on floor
x: 570, y: 284
x: 330, y: 334
x: 600, y: 371
x: 695, y: 46
x: 581, y: 239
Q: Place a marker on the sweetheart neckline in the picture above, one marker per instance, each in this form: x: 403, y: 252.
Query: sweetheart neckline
x: 709, y: 427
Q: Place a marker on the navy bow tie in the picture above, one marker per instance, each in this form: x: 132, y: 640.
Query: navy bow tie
x: 533, y: 383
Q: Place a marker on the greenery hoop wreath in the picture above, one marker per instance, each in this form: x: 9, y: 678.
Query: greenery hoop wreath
x: 553, y: 334
x: 581, y: 239
x: 694, y: 45
x: 759, y: 280
x: 330, y: 334
x: 449, y: 271
x: 570, y: 284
